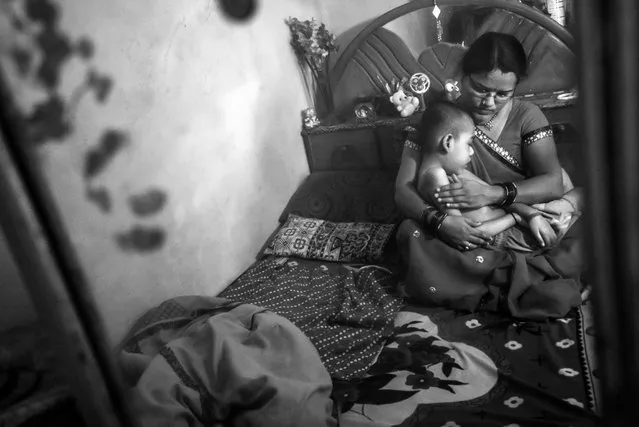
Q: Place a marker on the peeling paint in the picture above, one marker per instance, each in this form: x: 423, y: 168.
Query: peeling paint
x: 48, y: 121
x: 42, y: 11
x: 148, y: 203
x: 111, y: 142
x: 84, y: 48
x: 22, y: 60
x: 100, y: 197
x: 101, y: 84
x: 56, y: 48
x: 141, y: 239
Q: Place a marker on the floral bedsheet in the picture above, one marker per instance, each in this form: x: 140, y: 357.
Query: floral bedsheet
x: 448, y: 369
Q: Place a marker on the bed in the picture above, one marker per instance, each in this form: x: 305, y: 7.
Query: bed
x: 331, y: 266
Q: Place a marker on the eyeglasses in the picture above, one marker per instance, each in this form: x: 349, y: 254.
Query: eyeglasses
x: 483, y: 92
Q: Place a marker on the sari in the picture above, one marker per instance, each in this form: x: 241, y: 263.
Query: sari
x: 535, y: 286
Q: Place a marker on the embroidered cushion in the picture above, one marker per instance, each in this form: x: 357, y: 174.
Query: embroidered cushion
x: 312, y: 238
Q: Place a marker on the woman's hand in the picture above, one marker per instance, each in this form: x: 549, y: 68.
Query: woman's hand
x: 542, y: 230
x: 461, y: 233
x: 466, y: 194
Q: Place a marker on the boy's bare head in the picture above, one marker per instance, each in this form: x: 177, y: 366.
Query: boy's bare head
x: 439, y: 120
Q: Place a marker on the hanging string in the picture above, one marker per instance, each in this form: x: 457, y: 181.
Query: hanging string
x: 440, y: 29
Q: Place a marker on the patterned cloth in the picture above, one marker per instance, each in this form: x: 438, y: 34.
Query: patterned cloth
x: 331, y: 241
x: 347, y: 314
x: 448, y: 369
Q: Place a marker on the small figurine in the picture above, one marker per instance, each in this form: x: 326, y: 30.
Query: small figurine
x: 405, y: 104
x: 309, y: 117
x: 452, y: 90
x: 401, y: 98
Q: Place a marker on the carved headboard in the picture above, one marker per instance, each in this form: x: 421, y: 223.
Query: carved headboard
x: 377, y: 51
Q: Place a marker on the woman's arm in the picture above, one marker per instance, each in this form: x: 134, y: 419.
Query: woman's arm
x: 456, y: 231
x: 546, y: 182
x: 539, y: 155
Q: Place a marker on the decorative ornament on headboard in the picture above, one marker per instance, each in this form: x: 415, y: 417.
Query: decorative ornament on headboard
x: 419, y: 83
x: 312, y: 44
x: 440, y: 29
x: 452, y: 90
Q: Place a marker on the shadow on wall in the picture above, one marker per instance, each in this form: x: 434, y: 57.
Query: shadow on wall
x: 52, y: 120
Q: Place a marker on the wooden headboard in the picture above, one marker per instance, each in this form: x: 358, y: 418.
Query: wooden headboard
x: 378, y: 51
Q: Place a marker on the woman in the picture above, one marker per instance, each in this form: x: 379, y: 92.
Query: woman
x: 514, y: 151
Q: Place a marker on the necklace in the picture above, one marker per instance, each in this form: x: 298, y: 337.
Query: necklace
x: 489, y: 124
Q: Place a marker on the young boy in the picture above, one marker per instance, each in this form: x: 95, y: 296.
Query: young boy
x: 445, y: 138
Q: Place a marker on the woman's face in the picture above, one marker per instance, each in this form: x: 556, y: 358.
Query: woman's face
x: 484, y: 94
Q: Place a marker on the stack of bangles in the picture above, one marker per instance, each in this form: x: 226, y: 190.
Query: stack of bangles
x: 510, y: 193
x: 432, y: 219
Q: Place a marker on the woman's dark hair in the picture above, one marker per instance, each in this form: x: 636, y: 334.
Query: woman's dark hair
x: 496, y: 51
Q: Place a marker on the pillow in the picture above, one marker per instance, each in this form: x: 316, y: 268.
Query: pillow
x: 346, y: 196
x: 319, y: 239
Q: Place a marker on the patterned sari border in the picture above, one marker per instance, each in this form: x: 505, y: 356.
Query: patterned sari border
x: 537, y: 134
x: 410, y: 144
x: 498, y: 151
x: 588, y: 356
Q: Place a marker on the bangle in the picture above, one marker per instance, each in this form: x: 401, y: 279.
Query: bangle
x: 439, y: 218
x: 515, y: 218
x: 426, y: 216
x: 510, y: 190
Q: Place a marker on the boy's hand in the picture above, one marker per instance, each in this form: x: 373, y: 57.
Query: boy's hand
x: 561, y: 223
x: 542, y: 230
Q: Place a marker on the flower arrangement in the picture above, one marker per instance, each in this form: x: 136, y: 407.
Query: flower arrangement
x: 312, y: 44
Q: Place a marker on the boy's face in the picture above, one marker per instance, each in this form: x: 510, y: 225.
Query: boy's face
x: 462, y: 148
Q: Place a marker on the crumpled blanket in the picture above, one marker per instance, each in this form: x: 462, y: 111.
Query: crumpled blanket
x: 207, y: 361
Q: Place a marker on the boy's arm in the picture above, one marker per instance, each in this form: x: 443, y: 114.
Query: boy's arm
x: 497, y: 225
x: 519, y: 212
x: 522, y: 211
x: 433, y: 179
